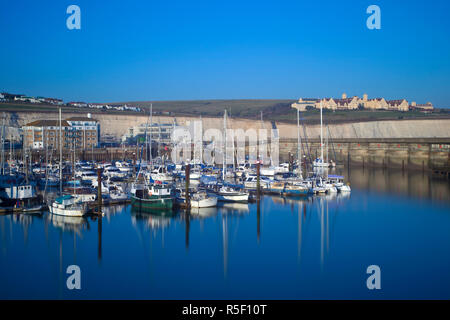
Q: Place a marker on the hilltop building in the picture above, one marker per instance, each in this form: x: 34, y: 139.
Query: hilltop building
x: 354, y: 103
x: 428, y: 107
x: 303, y: 103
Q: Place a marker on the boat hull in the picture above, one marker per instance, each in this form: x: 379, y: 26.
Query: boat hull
x: 299, y: 192
x: 156, y: 203
x: 232, y: 198
x: 204, y: 203
x: 67, y: 212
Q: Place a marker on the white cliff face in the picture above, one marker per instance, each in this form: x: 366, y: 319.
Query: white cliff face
x: 378, y: 129
x: 118, y: 125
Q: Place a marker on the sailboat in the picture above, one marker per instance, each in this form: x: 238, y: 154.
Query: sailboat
x: 66, y: 205
x: 229, y: 194
x: 319, y: 162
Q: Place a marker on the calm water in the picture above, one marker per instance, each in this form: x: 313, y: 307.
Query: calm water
x: 286, y: 249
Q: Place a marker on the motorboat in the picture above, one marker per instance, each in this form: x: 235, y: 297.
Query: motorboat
x: 150, y: 197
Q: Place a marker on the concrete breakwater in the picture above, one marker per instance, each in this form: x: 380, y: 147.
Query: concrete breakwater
x: 427, y: 154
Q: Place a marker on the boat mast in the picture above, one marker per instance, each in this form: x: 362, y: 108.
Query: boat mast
x: 321, y: 133
x: 299, y: 151
x: 10, y: 153
x: 3, y: 144
x: 60, y: 152
x: 326, y: 144
x: 146, y: 140
x: 201, y: 141
x: 159, y: 138
x: 151, y: 126
x: 46, y: 165
x: 224, y: 143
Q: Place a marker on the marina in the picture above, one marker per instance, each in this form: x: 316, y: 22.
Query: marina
x: 238, y: 228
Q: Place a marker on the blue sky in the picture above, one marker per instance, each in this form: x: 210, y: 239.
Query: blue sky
x: 175, y: 50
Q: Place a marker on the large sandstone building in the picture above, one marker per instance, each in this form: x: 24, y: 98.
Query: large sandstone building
x: 354, y: 103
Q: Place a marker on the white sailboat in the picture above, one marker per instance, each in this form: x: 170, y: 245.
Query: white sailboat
x: 202, y: 200
x: 319, y: 162
x: 66, y: 205
x: 228, y: 194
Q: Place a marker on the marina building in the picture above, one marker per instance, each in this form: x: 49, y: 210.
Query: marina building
x: 86, y: 131
x: 155, y: 131
x: 42, y: 134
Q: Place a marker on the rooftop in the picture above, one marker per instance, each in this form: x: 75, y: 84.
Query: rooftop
x: 47, y: 123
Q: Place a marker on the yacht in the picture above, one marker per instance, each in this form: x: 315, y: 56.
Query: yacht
x: 277, y: 187
x: 68, y: 205
x: 114, y: 172
x: 161, y: 174
x: 197, y: 199
x: 229, y: 194
x: 296, y: 189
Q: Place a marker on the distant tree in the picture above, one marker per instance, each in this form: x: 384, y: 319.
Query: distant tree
x: 309, y: 108
x: 361, y: 106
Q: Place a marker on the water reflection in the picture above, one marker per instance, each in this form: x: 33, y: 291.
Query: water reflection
x: 414, y: 184
x: 68, y: 224
x: 303, y: 235
x: 151, y: 220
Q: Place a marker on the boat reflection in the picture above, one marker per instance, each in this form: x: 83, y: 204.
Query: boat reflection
x: 203, y: 212
x: 68, y: 224
x: 235, y: 208
x: 152, y: 219
x: 111, y: 211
